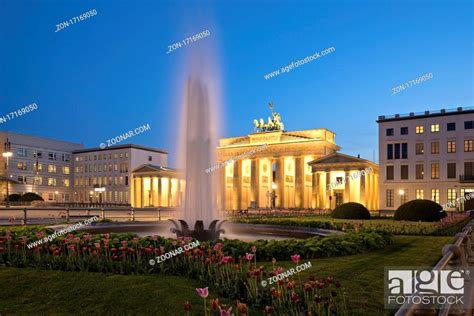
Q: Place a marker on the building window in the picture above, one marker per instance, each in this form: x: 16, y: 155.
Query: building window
x: 404, y: 150
x: 434, y: 128
x: 397, y: 151
x: 150, y: 158
x: 66, y: 182
x: 404, y: 172
x: 419, y: 129
x: 468, y: 124
x: 452, y: 196
x: 38, y: 167
x: 38, y: 180
x: 66, y: 170
x: 451, y: 170
x: 451, y: 146
x: 468, y: 168
x: 420, y: 194
x: 126, y: 180
x: 420, y: 171
x: 435, y: 170
x: 435, y: 195
x: 404, y: 131
x: 50, y: 197
x: 403, y: 196
x: 390, y: 172
x: 52, y: 182
x: 126, y: 155
x: 389, y: 197
x: 451, y: 127
x: 435, y: 147
x: 21, y: 179
x: 21, y: 152
x: 37, y: 154
x: 419, y: 147
x: 389, y: 151
x: 66, y: 157
x: 468, y: 145
x: 21, y: 165
x: 51, y: 169
x: 389, y: 132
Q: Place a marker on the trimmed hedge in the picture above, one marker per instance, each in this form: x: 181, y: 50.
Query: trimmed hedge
x: 351, y: 210
x: 419, y: 210
x: 14, y: 197
x: 30, y: 196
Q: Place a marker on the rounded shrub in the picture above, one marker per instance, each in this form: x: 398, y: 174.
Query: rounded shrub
x: 469, y: 204
x: 30, y: 196
x: 419, y: 210
x: 351, y: 210
x: 14, y: 197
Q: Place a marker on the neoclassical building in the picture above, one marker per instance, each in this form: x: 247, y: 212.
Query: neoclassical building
x: 154, y: 186
x: 270, y: 167
x: 292, y: 170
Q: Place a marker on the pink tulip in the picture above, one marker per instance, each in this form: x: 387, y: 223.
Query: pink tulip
x: 224, y: 312
x: 218, y: 246
x: 248, y: 256
x: 203, y: 292
x: 154, y: 237
x: 295, y: 258
x: 254, y: 249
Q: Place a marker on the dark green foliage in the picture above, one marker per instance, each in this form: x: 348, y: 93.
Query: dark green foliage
x: 351, y: 210
x: 30, y: 196
x: 469, y: 204
x: 419, y: 210
x: 14, y: 197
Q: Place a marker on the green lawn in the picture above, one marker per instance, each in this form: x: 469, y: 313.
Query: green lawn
x: 327, y: 218
x: 28, y: 291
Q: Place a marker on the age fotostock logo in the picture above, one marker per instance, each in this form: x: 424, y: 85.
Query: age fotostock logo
x: 423, y: 286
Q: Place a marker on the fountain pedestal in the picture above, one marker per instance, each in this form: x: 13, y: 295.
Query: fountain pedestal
x: 181, y: 229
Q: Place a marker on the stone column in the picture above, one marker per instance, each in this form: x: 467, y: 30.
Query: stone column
x: 170, y: 200
x: 347, y: 186
x: 280, y: 182
x: 237, y: 187
x: 329, y: 203
x: 323, y: 201
x: 255, y: 180
x: 142, y: 192
x: 314, y: 190
x: 362, y: 199
x: 369, y: 191
x: 299, y: 182
x: 152, y: 189
x: 160, y: 202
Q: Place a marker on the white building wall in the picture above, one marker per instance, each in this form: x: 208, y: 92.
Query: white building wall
x: 443, y: 157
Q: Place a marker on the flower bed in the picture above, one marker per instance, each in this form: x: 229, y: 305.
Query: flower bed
x: 230, y: 266
x: 445, y: 227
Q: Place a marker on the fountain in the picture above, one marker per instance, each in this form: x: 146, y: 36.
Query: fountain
x: 198, y: 151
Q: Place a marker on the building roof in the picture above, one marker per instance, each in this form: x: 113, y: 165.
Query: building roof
x: 124, y: 146
x: 148, y: 167
x: 426, y: 114
x: 337, y: 159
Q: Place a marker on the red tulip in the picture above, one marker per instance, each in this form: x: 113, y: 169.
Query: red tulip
x: 187, y: 306
x: 295, y: 258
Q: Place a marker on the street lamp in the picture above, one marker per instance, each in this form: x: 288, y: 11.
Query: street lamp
x: 7, y: 154
x: 401, y: 192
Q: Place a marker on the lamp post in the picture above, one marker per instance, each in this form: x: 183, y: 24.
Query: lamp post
x: 7, y: 154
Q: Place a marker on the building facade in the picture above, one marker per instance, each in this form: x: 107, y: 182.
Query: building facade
x: 104, y: 175
x: 426, y: 155
x: 37, y: 164
x: 154, y: 186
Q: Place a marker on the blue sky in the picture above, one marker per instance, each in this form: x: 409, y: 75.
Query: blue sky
x: 108, y: 74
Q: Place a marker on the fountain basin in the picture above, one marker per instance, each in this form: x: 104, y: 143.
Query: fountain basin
x: 244, y: 232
